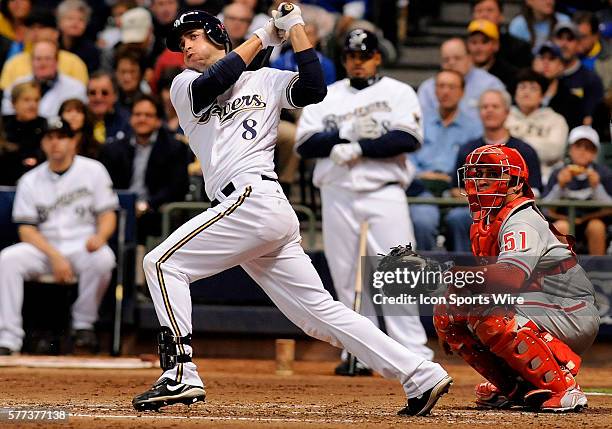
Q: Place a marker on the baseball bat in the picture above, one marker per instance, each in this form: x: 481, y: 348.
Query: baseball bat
x: 116, y: 349
x: 363, y: 242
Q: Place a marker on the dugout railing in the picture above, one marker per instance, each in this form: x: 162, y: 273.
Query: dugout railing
x: 571, y: 205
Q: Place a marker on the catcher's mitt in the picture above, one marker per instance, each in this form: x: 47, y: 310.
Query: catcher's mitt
x: 415, y: 274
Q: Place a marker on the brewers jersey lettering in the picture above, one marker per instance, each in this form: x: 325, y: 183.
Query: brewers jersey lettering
x: 392, y: 104
x: 237, y: 133
x: 64, y: 207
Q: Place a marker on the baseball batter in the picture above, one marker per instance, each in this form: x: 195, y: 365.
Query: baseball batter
x: 528, y: 352
x: 231, y: 116
x: 360, y: 135
x: 65, y: 209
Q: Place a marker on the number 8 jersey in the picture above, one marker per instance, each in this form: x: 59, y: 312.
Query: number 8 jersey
x: 236, y: 134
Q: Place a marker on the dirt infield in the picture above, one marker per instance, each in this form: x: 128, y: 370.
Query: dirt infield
x: 244, y: 394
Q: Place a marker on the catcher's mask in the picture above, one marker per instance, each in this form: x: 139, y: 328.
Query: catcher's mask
x: 196, y: 20
x: 488, y: 175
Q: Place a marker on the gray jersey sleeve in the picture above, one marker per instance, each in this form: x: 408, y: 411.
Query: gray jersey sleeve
x: 523, y: 242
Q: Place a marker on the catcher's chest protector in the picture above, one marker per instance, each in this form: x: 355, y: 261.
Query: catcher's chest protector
x: 483, y: 235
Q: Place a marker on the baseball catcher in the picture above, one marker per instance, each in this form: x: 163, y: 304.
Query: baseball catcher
x: 528, y: 352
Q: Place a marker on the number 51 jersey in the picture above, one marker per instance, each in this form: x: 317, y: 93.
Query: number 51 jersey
x: 236, y: 134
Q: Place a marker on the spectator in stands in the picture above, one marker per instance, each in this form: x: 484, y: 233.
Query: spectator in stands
x: 22, y: 132
x: 211, y: 6
x: 287, y: 60
x: 42, y: 27
x: 136, y: 33
x: 73, y: 17
x: 260, y: 16
x: 511, y: 49
x: 347, y: 11
x: 237, y: 19
x: 596, y: 52
x: 581, y: 82
x: 454, y: 56
x: 110, y: 119
x: 558, y: 97
x: 583, y: 179
x: 152, y: 163
x: 536, y: 23
x: 483, y: 46
x: 129, y: 74
x: 543, y: 128
x: 65, y: 209
x: 164, y: 12
x: 494, y: 109
x: 171, y: 121
x: 111, y: 34
x: 444, y: 133
x: 55, y: 86
x: 13, y: 27
x: 79, y: 118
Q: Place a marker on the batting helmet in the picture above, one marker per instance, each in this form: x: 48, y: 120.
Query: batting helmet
x: 488, y: 174
x: 360, y: 40
x: 195, y: 20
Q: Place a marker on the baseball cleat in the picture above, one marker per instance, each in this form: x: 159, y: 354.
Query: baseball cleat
x: 5, y: 351
x: 572, y: 399
x: 167, y: 392
x: 421, y: 405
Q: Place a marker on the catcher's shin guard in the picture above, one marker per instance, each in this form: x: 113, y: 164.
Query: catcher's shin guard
x: 455, y: 334
x: 168, y: 346
x: 524, y: 351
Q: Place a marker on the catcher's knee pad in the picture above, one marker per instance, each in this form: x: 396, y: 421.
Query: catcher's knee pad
x: 529, y: 355
x: 563, y: 353
x: 170, y: 348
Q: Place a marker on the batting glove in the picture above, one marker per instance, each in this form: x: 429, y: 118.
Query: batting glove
x: 344, y: 153
x: 269, y: 34
x: 287, y: 15
x: 366, y: 127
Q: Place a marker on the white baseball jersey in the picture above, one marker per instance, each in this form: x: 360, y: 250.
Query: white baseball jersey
x: 227, y: 141
x: 65, y: 207
x: 392, y: 104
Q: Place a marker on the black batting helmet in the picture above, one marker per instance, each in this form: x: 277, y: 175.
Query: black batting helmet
x: 360, y: 40
x: 194, y: 20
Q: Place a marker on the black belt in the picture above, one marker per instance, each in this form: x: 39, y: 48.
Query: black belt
x: 230, y: 188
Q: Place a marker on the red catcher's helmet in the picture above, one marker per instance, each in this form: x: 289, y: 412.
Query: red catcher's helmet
x: 488, y: 173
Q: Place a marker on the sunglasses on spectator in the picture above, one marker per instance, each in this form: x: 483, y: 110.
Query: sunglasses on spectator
x: 103, y: 92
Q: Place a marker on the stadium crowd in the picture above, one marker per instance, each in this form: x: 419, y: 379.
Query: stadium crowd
x: 540, y: 81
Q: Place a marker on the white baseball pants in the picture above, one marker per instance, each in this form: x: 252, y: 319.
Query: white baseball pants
x: 386, y: 212
x: 23, y: 261
x: 256, y: 228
